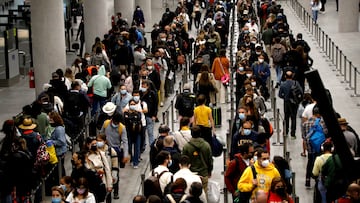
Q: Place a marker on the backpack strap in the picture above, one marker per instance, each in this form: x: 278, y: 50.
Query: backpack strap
x: 120, y: 128
x: 183, y: 198
x: 171, y: 199
x: 254, y: 171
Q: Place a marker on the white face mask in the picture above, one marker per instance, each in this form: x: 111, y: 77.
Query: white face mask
x: 248, y: 51
x: 265, y: 163
x: 241, y: 68
x: 258, y: 52
x: 150, y: 67
x: 87, y: 58
x: 253, y: 84
x: 80, y: 64
x: 248, y: 75
x: 163, y: 39
x: 132, y: 107
x: 261, y: 60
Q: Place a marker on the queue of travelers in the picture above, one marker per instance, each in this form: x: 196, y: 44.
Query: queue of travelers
x: 124, y: 83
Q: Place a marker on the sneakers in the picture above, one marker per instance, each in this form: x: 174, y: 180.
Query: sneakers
x: 307, y: 183
x: 135, y: 167
x: 116, y: 196
x: 161, y: 104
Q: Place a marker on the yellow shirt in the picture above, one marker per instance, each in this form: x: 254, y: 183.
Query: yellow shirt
x: 201, y: 113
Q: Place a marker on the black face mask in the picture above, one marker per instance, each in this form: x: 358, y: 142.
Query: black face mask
x: 73, y: 163
x: 280, y: 191
x: 53, y: 124
x: 143, y: 77
x: 93, y: 147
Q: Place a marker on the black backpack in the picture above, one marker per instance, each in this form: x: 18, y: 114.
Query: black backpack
x: 152, y: 185
x: 133, y: 121
x: 73, y: 105
x: 296, y: 93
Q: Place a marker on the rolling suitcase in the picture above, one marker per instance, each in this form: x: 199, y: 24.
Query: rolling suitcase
x: 216, y: 113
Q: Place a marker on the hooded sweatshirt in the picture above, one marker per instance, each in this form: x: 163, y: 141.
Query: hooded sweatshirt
x: 264, y: 177
x: 100, y: 82
x: 199, y: 152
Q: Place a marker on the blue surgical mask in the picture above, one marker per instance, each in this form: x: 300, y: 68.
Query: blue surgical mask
x: 100, y: 144
x: 56, y: 200
x: 255, y: 158
x: 241, y: 68
x: 247, y: 132
x: 136, y: 98
x: 170, y: 163
x: 241, y: 116
x: 123, y: 91
x: 132, y: 107
x: 63, y: 187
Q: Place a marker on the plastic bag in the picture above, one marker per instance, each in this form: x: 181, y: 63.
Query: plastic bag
x: 50, y: 148
x: 213, y: 192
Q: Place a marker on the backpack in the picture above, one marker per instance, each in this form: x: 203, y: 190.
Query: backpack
x: 188, y: 102
x: 316, y: 136
x: 267, y: 127
x: 152, y: 185
x: 296, y: 93
x: 277, y: 55
x: 42, y: 156
x: 107, y: 122
x: 335, y: 178
x: 73, y: 104
x: 133, y: 121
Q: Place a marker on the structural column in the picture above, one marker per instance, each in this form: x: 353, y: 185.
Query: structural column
x: 96, y: 22
x: 145, y: 5
x: 48, y: 39
x: 348, y: 15
x: 126, y: 8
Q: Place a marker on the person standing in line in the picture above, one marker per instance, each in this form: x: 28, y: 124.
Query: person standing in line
x: 220, y: 68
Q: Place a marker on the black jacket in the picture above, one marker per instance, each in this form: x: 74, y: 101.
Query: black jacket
x: 151, y: 99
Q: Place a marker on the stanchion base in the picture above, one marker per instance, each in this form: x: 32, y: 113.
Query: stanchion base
x: 355, y: 95
x: 349, y: 88
x: 340, y: 74
x: 277, y: 144
x: 344, y: 81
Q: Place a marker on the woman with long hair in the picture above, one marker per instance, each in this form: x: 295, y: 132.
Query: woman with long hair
x: 277, y: 193
x: 205, y: 86
x: 96, y: 161
x: 81, y: 193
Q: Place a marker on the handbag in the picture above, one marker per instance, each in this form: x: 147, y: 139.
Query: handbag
x: 52, y: 152
x: 225, y: 78
x: 216, y: 146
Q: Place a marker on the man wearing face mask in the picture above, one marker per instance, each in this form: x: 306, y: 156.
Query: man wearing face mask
x: 164, y: 161
x: 256, y: 54
x: 265, y: 172
x: 242, y: 159
x: 121, y: 98
x: 162, y: 69
x: 150, y: 97
x: 245, y: 135
x: 261, y: 70
x: 153, y: 74
x: 239, y: 119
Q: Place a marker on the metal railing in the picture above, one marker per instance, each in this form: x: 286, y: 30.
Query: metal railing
x: 335, y: 56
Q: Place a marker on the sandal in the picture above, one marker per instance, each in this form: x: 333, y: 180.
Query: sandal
x: 303, y: 154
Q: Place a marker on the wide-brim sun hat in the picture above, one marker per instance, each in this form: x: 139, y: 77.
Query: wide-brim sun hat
x: 27, y: 124
x: 109, y: 108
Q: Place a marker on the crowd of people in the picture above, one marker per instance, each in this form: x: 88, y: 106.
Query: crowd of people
x: 124, y: 83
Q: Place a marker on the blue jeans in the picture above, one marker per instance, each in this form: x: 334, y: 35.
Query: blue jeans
x: 315, y: 15
x: 135, y: 140
x: 278, y: 73
x: 97, y: 101
x: 150, y: 129
x: 322, y: 189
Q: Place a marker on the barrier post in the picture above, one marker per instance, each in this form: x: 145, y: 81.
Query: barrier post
x: 142, y: 176
x: 293, y: 182
x: 163, y: 117
x: 322, y: 40
x: 336, y: 58
x: 284, y: 138
x: 355, y: 83
x: 350, y: 77
x: 345, y: 72
x: 225, y: 188
x: 277, y: 143
x: 332, y: 53
x: 340, y: 64
x: 172, y: 114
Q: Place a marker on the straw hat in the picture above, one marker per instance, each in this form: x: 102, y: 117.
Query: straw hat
x: 342, y: 121
x: 109, y: 108
x: 27, y: 124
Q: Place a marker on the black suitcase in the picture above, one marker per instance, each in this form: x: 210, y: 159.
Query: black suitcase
x: 216, y: 113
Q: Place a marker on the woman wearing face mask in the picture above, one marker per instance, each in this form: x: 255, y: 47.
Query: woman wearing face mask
x: 76, y: 67
x: 57, y: 195
x: 96, y: 161
x: 277, y: 193
x: 66, y: 184
x: 240, y: 79
x: 81, y: 193
x: 134, y: 131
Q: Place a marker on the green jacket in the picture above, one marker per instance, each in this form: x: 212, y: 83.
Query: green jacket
x: 199, y: 152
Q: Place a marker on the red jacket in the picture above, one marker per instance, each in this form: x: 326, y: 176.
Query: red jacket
x: 234, y: 172
x: 274, y: 198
